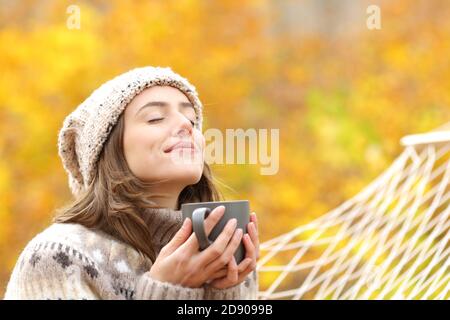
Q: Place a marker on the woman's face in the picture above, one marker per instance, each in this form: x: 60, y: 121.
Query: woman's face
x: 155, y: 120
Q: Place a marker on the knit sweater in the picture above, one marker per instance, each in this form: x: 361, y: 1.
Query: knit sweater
x: 70, y: 261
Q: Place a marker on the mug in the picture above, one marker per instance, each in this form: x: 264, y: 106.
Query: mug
x: 199, y: 211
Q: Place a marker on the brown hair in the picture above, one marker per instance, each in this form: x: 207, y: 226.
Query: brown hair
x: 114, y: 198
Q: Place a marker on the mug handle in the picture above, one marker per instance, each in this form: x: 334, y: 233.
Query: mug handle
x: 198, y: 218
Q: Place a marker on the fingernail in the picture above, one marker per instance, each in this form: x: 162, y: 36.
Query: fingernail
x: 233, y: 221
x: 239, y: 232
x: 218, y: 211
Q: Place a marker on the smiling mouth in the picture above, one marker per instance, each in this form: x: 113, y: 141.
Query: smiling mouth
x: 180, y: 146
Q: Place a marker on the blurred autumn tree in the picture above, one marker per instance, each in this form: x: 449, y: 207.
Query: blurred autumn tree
x: 341, y: 95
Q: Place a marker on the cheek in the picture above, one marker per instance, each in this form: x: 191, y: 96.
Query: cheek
x: 141, y: 147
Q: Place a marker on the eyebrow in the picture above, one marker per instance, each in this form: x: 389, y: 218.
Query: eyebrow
x: 163, y: 104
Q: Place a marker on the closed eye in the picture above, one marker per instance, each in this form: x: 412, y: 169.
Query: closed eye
x: 155, y: 120
x: 159, y: 119
x: 193, y: 122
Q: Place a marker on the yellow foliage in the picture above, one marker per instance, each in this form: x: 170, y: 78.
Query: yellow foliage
x: 341, y: 104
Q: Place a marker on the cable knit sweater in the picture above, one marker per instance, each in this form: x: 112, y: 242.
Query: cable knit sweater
x: 70, y: 261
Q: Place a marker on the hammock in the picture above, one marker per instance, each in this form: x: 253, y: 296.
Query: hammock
x: 390, y: 241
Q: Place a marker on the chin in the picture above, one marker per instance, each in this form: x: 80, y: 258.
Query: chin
x: 187, y: 174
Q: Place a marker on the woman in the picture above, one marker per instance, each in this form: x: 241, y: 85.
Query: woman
x: 124, y: 149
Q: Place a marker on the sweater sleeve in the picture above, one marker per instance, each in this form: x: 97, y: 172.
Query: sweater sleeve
x: 48, y: 274
x: 151, y: 289
x: 55, y: 271
x: 246, y: 290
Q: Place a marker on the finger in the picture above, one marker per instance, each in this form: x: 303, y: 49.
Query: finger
x: 216, y: 249
x: 254, y: 219
x: 219, y: 274
x: 212, y: 219
x: 251, y: 228
x: 232, y: 271
x: 245, y: 273
x: 179, y: 239
x: 228, y: 252
x: 249, y: 247
x: 230, y: 281
x: 244, y: 265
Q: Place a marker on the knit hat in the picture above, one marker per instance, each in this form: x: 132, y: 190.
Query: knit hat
x: 86, y: 129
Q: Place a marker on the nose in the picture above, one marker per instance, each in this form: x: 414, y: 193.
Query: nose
x: 183, y: 127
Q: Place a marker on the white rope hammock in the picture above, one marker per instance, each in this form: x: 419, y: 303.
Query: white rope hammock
x: 390, y: 241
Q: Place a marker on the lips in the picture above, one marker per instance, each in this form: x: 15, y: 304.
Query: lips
x: 180, y: 145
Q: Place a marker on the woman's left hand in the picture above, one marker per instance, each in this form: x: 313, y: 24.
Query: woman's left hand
x: 235, y: 274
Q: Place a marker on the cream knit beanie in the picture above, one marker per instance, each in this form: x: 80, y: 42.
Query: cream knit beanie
x: 86, y: 129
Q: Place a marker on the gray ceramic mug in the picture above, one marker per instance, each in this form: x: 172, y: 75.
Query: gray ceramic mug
x: 199, y: 211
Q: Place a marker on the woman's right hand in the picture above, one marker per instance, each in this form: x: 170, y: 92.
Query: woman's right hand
x: 181, y: 262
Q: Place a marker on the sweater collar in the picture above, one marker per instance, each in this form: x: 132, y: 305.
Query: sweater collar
x: 163, y: 224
